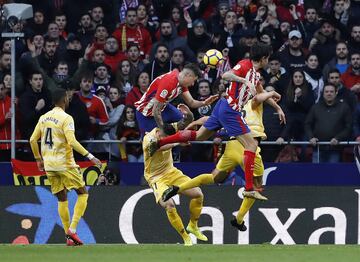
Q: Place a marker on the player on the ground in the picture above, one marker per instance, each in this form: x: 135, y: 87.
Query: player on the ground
x: 233, y: 156
x: 160, y: 172
x: 56, y: 130
x: 227, y: 112
x: 154, y: 109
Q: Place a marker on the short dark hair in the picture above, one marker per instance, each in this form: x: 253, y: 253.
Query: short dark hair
x: 260, y: 50
x: 58, y: 95
x: 34, y: 72
x: 333, y: 70
x: 161, y: 45
x: 48, y: 39
x: 130, y: 9
x: 194, y: 68
x: 87, y: 75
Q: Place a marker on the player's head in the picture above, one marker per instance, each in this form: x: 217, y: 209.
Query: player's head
x: 60, y: 98
x: 260, y: 53
x: 189, y: 75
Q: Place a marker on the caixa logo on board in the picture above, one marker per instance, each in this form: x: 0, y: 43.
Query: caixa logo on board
x: 293, y: 215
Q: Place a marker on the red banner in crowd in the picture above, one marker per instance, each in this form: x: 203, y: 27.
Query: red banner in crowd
x: 27, y: 173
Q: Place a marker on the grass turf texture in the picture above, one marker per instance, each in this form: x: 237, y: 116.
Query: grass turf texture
x: 177, y: 253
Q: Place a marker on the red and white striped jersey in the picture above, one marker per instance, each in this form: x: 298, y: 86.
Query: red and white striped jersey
x: 164, y: 88
x: 238, y: 93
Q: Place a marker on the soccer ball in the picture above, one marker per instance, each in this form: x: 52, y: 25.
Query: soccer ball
x: 213, y: 58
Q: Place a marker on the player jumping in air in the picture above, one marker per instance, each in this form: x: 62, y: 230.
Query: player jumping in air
x: 227, y: 113
x: 233, y: 156
x: 154, y: 110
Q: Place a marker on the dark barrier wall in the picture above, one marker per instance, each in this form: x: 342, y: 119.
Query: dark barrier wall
x: 293, y: 215
x: 344, y: 174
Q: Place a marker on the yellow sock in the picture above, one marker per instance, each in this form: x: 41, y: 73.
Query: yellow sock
x: 203, y: 179
x: 63, y: 210
x: 79, y: 210
x: 244, y: 208
x: 195, y: 207
x: 176, y: 222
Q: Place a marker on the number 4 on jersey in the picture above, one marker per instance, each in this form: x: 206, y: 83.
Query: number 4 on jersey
x: 48, y: 137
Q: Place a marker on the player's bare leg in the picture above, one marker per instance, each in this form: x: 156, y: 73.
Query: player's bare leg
x: 175, y: 220
x: 195, y: 207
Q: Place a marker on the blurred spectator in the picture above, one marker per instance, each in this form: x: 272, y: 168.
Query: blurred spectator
x: 33, y: 103
x: 97, y: 15
x: 356, y: 125
x: 219, y: 87
x: 313, y: 75
x: 138, y: 90
x: 101, y: 78
x: 6, y: 45
x: 108, y: 131
x: 241, y: 48
x: 108, y: 178
x: 5, y: 124
x: 298, y: 100
x: 5, y: 63
x: 131, y: 32
x: 198, y: 37
x: 177, y: 58
x: 343, y: 94
x: 161, y: 63
x: 99, y: 56
x: 273, y: 129
x: 351, y: 78
x: 177, y: 17
x: 311, y: 24
x: 86, y: 29
x: 354, y: 42
x: 98, y: 115
x: 125, y: 78
x: 113, y: 56
x: 324, y: 41
x: 49, y: 58
x: 169, y: 37
x: 328, y: 120
x: 6, y: 79
x: 38, y: 24
x: 61, y: 21
x: 100, y: 36
x: 276, y: 75
x: 133, y: 54
x: 150, y: 22
x: 54, y: 34
x: 285, y: 8
x: 226, y: 35
x: 73, y: 52
x: 128, y: 130
x: 125, y: 5
x: 203, y: 93
x: 341, y: 12
x: 216, y: 22
x: 293, y: 57
x: 340, y: 61
x: 61, y: 72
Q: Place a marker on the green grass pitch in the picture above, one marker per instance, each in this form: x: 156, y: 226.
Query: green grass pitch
x: 178, y: 253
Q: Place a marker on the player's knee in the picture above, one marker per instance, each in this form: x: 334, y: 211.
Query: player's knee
x: 219, y: 176
x: 198, y: 194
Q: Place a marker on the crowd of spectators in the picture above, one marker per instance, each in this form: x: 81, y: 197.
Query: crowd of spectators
x: 106, y: 53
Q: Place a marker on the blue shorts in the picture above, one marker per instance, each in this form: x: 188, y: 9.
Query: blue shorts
x: 147, y: 123
x: 224, y: 116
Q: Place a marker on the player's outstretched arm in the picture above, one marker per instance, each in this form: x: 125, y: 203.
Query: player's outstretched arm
x: 232, y: 77
x: 190, y: 101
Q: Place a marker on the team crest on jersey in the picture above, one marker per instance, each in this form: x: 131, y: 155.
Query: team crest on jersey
x: 164, y: 93
x: 237, y: 67
x: 71, y: 126
x: 88, y: 104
